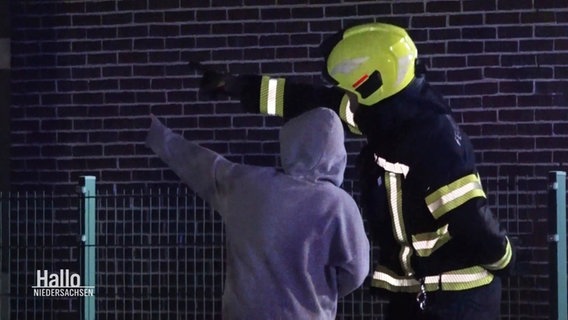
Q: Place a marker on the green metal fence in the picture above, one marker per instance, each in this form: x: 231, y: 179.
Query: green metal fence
x: 159, y: 253
x: 557, y: 244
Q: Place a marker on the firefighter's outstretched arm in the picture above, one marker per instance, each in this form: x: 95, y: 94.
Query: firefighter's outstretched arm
x: 273, y: 95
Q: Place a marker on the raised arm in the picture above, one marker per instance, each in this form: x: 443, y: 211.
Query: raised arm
x: 200, y: 168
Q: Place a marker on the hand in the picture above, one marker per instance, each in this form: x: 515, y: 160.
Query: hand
x: 212, y: 82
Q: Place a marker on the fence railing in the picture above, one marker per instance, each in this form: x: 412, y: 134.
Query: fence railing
x: 159, y: 254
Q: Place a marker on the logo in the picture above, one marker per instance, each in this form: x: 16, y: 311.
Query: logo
x: 62, y: 284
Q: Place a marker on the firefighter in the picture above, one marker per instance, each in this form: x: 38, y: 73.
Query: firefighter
x: 441, y: 250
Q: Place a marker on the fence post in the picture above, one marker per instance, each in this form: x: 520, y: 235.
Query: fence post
x: 557, y: 245
x: 88, y: 189
x: 4, y: 257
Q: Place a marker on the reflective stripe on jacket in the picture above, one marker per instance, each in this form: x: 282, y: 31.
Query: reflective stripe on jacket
x: 439, y: 202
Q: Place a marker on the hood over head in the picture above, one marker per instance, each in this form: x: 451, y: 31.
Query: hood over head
x: 312, y: 146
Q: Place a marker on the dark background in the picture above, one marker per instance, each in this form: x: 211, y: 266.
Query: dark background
x: 85, y: 75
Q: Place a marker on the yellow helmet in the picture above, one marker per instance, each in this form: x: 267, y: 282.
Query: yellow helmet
x: 373, y: 61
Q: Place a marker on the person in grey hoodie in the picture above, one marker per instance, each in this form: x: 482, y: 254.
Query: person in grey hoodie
x: 295, y: 239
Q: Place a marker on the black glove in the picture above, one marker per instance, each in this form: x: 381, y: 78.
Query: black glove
x: 214, y: 83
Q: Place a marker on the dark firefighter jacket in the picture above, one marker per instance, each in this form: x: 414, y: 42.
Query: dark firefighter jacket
x: 421, y: 194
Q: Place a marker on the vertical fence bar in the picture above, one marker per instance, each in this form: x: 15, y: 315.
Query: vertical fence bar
x: 557, y: 245
x: 88, y: 189
x: 4, y: 257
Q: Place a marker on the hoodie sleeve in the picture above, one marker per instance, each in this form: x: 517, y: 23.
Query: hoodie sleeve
x: 198, y: 167
x: 351, y: 250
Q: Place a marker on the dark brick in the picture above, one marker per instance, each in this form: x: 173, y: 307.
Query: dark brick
x: 553, y: 142
x: 522, y: 115
x: 464, y: 75
x: 553, y: 87
x: 292, y: 27
x: 512, y: 32
x: 448, y: 62
x: 431, y: 48
x: 103, y: 85
x: 535, y: 129
x: 516, y: 87
x: 317, y: 12
x: 479, y: 33
x: 86, y: 20
x: 88, y: 124
x: 468, y: 47
x: 551, y: 31
x: 339, y: 11
x: 466, y: 19
x: 86, y: 150
x: 501, y: 18
x: 514, y: 4
x: 57, y: 151
x: 479, y: 5
x: 101, y: 58
x: 419, y: 22
x: 561, y: 16
x: 443, y: 6
x: 536, y: 45
x: 88, y: 98
x: 149, y: 17
x: 148, y: 43
x: 118, y: 18
x: 57, y: 124
x: 126, y: 31
x: 211, y: 42
x: 179, y: 16
x: 518, y: 60
x: 408, y: 7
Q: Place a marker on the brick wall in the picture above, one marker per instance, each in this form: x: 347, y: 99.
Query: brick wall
x: 85, y: 75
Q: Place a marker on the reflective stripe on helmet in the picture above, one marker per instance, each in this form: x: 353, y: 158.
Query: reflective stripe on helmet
x: 426, y: 243
x: 454, y: 195
x: 462, y: 279
x: 272, y: 96
x: 505, y: 259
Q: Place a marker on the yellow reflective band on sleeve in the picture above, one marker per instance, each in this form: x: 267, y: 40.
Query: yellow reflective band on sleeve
x: 505, y: 259
x: 454, y: 195
x: 346, y: 114
x: 457, y: 280
x: 426, y: 243
x: 272, y: 96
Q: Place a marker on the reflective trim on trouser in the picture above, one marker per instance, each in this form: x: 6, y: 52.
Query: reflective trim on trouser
x: 461, y: 279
